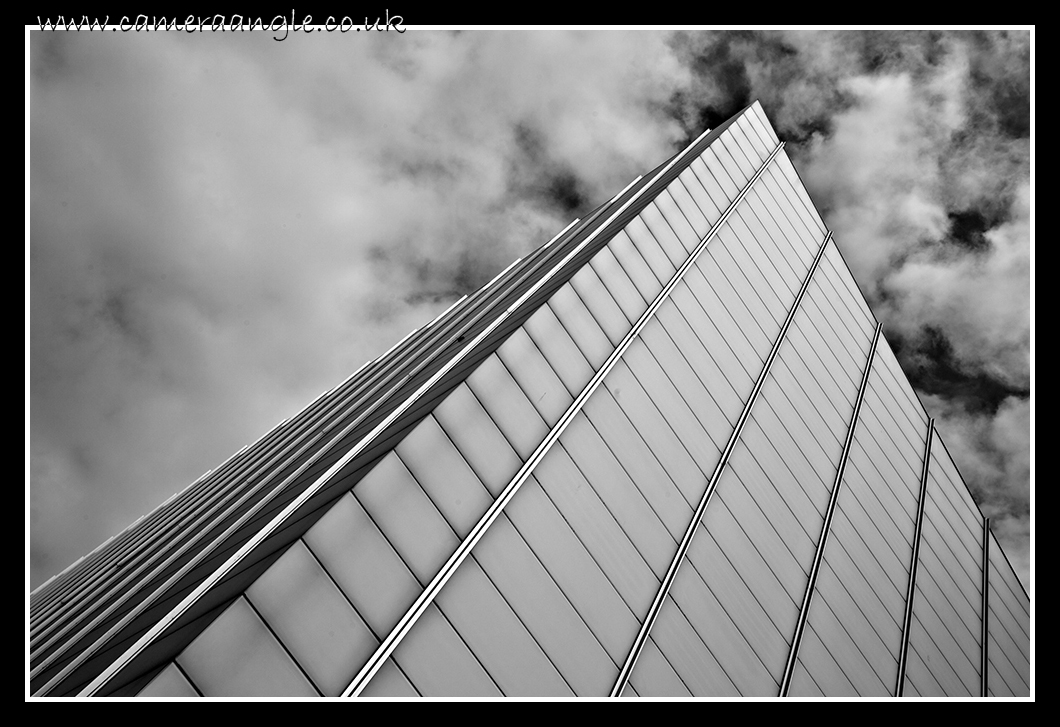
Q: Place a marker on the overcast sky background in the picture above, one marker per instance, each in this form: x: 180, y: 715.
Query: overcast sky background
x: 223, y: 226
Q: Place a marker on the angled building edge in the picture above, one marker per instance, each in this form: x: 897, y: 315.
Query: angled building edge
x: 669, y: 453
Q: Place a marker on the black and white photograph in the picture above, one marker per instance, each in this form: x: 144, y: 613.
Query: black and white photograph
x: 371, y: 359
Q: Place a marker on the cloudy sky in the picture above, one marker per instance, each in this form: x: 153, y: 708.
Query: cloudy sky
x: 223, y: 226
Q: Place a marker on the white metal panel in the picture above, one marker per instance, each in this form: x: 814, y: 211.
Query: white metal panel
x: 920, y: 682
x: 544, y: 610
x: 169, y: 684
x: 579, y: 324
x: 477, y: 437
x: 797, y: 192
x: 493, y: 632
x: 659, y: 245
x: 619, y: 495
x: 822, y: 667
x: 619, y: 285
x: 567, y: 487
x: 756, y: 249
x: 1009, y: 588
x: 719, y: 196
x: 699, y: 361
x: 730, y: 318
x: 570, y: 564
x: 816, y: 437
x: 689, y: 656
x: 406, y: 516
x: 688, y: 384
x: 950, y: 634
x: 743, y: 552
x: 709, y: 209
x: 445, y: 475
x: 535, y: 377
x: 508, y: 406
x: 683, y: 311
x: 940, y: 678
x: 762, y: 125
x: 638, y: 460
x: 710, y: 167
x: 742, y: 303
x: 762, y: 495
x: 804, y: 461
x: 654, y: 677
x: 880, y: 561
x: 681, y: 211
x: 651, y: 250
x: 730, y: 157
x: 731, y: 649
x: 674, y: 408
x: 363, y: 564
x: 962, y: 621
x: 559, y: 349
x: 647, y: 281
x: 670, y: 227
x: 747, y: 141
x: 785, y: 486
x: 770, y: 544
x: 389, y: 683
x: 786, y: 250
x: 237, y: 656
x: 752, y: 287
x: 600, y: 302
x: 1002, y: 676
x: 627, y: 391
x: 802, y: 684
x: 437, y: 661
x: 311, y: 617
x: 848, y: 628
x: 773, y: 204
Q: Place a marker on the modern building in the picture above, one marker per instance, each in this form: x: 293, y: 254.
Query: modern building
x: 669, y: 453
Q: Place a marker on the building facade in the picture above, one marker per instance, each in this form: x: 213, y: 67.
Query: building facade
x: 669, y: 453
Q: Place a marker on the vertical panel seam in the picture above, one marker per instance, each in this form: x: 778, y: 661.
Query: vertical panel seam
x: 907, y: 620
x: 671, y: 574
x: 818, y: 558
x: 984, y: 664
